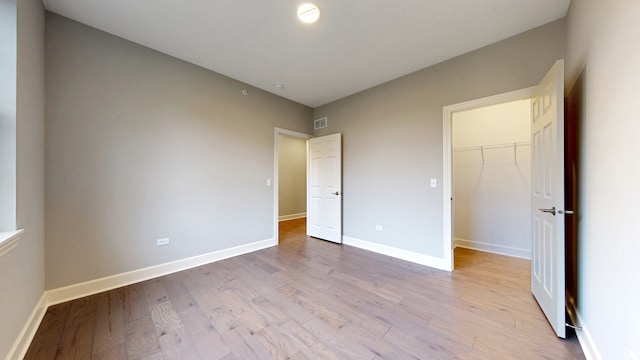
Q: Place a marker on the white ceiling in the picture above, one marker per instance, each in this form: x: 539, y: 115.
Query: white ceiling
x: 355, y: 45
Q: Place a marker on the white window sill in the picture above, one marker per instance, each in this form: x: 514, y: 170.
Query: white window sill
x: 9, y: 240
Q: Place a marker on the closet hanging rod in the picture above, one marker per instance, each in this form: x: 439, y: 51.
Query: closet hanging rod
x: 495, y: 146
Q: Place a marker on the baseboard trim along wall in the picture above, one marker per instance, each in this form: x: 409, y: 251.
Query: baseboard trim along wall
x: 493, y: 248
x: 292, y: 216
x: 76, y: 291
x: 20, y: 347
x: 402, y: 254
x: 67, y: 293
x: 584, y: 336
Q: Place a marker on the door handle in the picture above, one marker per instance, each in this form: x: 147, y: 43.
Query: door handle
x: 551, y: 211
x: 336, y: 193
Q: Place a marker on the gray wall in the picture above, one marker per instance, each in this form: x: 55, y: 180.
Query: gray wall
x: 393, y: 136
x: 127, y: 126
x: 603, y: 80
x: 142, y: 146
x: 22, y: 269
x: 292, y: 175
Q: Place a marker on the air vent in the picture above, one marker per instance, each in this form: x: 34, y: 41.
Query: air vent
x: 320, y: 123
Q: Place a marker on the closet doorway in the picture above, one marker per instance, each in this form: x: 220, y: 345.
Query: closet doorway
x: 487, y: 175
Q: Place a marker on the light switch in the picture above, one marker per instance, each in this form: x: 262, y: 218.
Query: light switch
x: 268, y: 182
x: 434, y: 183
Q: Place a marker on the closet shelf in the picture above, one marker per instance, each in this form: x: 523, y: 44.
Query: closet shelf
x: 482, y: 148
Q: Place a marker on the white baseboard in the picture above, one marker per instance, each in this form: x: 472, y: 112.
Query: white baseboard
x: 20, y: 347
x: 76, y: 291
x: 584, y: 336
x: 493, y: 248
x: 411, y: 256
x: 292, y: 216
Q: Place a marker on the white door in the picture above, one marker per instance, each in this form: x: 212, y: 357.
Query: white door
x: 547, y: 141
x: 324, y: 188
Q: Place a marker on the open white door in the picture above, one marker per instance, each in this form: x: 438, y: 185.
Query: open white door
x: 547, y: 141
x: 324, y: 188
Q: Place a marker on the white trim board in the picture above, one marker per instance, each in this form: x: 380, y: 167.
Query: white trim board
x: 22, y: 343
x: 402, y: 254
x: 584, y: 336
x: 493, y: 248
x: 292, y: 216
x: 76, y: 291
x: 9, y: 241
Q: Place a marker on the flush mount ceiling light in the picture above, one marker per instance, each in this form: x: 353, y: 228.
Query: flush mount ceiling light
x: 308, y: 13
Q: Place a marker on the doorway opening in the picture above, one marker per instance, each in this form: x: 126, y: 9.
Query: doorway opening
x: 290, y: 177
x: 486, y: 177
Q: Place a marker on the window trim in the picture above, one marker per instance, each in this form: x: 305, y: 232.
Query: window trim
x: 9, y: 241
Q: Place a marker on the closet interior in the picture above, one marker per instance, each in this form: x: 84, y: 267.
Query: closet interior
x: 492, y: 178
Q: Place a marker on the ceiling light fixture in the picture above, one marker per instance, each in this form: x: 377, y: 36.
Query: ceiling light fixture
x: 308, y: 13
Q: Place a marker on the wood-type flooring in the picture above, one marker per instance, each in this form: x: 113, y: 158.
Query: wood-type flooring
x: 311, y: 299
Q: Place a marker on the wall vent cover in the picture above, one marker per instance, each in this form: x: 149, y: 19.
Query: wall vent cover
x: 320, y: 123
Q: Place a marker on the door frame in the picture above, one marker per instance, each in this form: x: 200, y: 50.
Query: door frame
x: 447, y: 160
x: 276, y: 146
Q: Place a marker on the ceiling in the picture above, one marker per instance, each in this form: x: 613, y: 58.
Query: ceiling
x: 355, y: 45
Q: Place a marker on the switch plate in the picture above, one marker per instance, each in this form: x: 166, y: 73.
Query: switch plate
x: 378, y: 227
x: 434, y: 183
x: 268, y: 182
x: 162, y: 242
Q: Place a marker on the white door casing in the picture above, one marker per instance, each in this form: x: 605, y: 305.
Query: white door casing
x: 547, y: 151
x: 447, y: 160
x: 324, y: 188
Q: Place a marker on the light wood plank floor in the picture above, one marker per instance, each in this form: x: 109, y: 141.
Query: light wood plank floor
x: 310, y: 299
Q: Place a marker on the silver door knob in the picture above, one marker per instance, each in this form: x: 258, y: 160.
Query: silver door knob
x: 551, y: 211
x: 336, y: 193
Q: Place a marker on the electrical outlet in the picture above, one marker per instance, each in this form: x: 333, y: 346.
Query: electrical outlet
x: 378, y: 227
x: 162, y: 242
x: 434, y: 183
